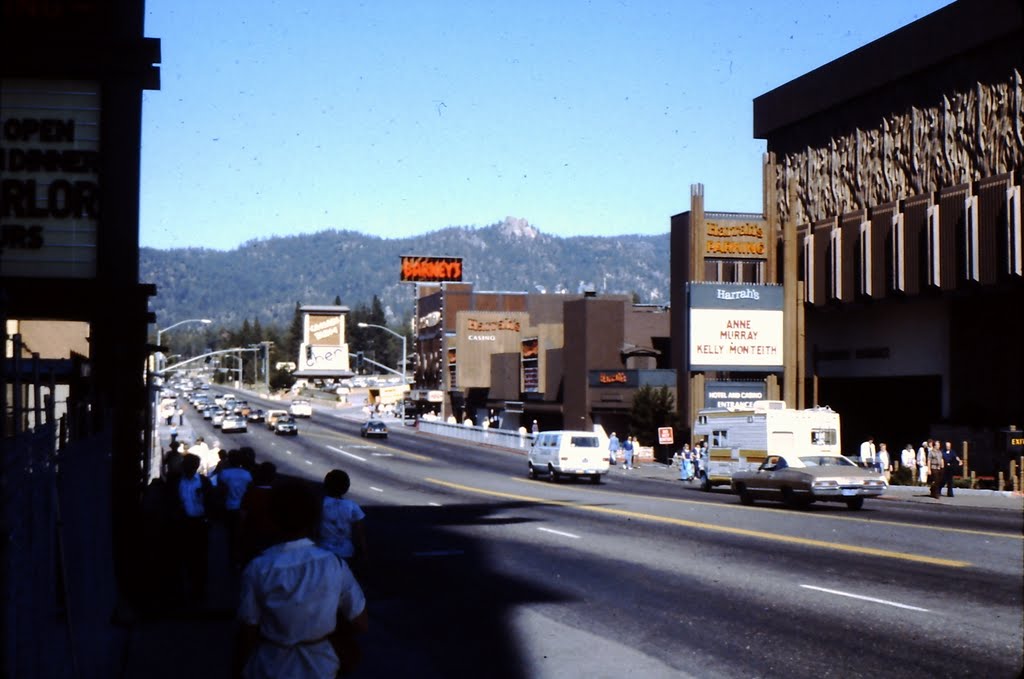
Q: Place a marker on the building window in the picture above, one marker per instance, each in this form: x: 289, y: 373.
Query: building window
x: 865, y: 258
x: 971, y: 263
x: 836, y: 240
x: 899, y: 254
x: 1014, y: 240
x: 809, y: 268
x: 933, y: 239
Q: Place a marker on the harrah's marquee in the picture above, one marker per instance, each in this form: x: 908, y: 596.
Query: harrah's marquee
x: 735, y: 327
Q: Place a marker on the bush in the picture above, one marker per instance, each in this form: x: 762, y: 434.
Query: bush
x: 904, y: 476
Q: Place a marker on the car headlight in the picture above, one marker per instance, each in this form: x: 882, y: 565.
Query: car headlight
x: 878, y: 483
x: 829, y: 483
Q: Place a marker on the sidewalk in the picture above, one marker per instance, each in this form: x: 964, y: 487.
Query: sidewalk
x: 962, y: 497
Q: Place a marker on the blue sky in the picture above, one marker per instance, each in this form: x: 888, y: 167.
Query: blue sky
x: 399, y: 118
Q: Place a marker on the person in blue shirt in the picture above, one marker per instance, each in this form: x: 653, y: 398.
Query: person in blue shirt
x: 951, y: 462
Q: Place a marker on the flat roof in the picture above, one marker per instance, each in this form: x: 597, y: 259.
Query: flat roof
x: 938, y: 37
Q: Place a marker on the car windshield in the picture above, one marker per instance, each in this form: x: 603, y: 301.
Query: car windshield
x: 584, y: 441
x: 825, y: 461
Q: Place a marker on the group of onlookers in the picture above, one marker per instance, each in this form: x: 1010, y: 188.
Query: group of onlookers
x: 293, y: 550
x: 691, y: 461
x: 933, y: 464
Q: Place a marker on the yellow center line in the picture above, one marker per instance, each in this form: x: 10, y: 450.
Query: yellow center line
x: 824, y: 517
x: 804, y: 542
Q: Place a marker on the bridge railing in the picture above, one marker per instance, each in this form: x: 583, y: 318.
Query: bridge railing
x: 491, y: 436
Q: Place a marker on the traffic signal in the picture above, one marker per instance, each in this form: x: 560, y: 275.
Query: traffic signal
x: 309, y: 353
x: 359, y: 360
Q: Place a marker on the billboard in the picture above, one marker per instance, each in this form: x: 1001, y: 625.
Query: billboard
x: 50, y: 177
x: 431, y: 269
x: 733, y: 394
x: 735, y: 238
x: 323, y: 350
x: 734, y: 326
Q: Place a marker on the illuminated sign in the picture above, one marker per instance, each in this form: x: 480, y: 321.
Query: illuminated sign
x: 431, y: 269
x: 529, y: 353
x: 49, y: 178
x: 323, y: 330
x: 734, y: 394
x: 614, y: 378
x: 509, y: 324
x: 735, y: 327
x: 735, y: 239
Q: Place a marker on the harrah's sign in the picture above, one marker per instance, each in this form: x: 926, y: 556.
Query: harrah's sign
x: 431, y: 269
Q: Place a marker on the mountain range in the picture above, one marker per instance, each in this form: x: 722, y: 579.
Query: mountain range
x: 263, y: 279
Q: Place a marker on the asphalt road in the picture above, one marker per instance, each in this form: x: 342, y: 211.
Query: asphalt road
x: 477, y: 571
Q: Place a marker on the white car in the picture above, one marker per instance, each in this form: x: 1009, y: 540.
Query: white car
x: 300, y: 408
x: 234, y: 423
x: 567, y: 453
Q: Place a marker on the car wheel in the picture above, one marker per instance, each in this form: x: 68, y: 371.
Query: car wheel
x: 855, y: 503
x: 532, y: 473
x: 595, y: 479
x: 705, y: 482
x: 552, y: 474
x: 745, y: 496
x: 789, y: 498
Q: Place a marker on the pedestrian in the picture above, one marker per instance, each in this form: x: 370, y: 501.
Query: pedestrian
x: 627, y: 452
x: 908, y: 460
x: 950, y: 465
x: 922, y: 462
x: 882, y: 460
x: 181, y: 417
x: 534, y: 429
x: 613, y: 449
x: 300, y: 604
x: 192, y: 543
x: 685, y: 463
x: 935, y: 465
x: 867, y: 453
x: 256, y: 530
x: 233, y: 482
x: 342, y: 521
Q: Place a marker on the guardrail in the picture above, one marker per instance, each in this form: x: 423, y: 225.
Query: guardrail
x: 502, y: 438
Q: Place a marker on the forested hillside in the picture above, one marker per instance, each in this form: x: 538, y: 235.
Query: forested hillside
x: 263, y: 279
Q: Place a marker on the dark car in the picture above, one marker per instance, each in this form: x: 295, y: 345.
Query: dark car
x: 255, y: 415
x: 374, y: 428
x: 286, y: 425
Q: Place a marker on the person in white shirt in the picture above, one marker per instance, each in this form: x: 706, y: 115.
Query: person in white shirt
x: 908, y: 460
x: 882, y: 460
x: 299, y: 603
x: 922, y: 462
x: 342, y: 530
x: 867, y: 453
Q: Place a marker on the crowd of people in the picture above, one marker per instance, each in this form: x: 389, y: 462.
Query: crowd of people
x: 932, y: 464
x: 295, y: 552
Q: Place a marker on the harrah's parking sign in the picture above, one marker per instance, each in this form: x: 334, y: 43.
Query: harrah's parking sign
x: 431, y: 269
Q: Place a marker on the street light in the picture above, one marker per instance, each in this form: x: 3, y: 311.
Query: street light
x: 161, y: 331
x: 405, y: 379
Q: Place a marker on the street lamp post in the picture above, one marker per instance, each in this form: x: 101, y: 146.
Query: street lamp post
x: 405, y: 379
x: 161, y: 331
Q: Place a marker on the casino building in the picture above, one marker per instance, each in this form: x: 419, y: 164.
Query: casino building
x: 893, y: 219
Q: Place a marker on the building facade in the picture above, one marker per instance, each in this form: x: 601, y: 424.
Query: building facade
x: 893, y: 180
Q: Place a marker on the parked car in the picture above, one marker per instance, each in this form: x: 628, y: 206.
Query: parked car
x: 567, y: 453
x: 300, y: 408
x: 799, y: 480
x: 234, y: 423
x: 272, y: 416
x: 286, y: 425
x: 373, y: 428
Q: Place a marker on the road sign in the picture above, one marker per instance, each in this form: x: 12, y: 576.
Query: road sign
x: 665, y: 436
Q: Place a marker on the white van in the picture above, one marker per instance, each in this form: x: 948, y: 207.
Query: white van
x: 567, y: 453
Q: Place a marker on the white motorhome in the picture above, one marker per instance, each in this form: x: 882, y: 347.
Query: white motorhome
x: 567, y: 453
x: 740, y: 439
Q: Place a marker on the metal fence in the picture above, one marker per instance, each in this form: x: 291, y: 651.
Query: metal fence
x: 502, y: 438
x: 57, y: 586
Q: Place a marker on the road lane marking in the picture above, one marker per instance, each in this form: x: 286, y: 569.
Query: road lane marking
x: 558, y: 532
x: 866, y: 598
x: 434, y: 504
x: 769, y: 508
x: 288, y: 451
x: 375, y: 488
x: 788, y: 539
x: 308, y: 462
x: 352, y: 455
